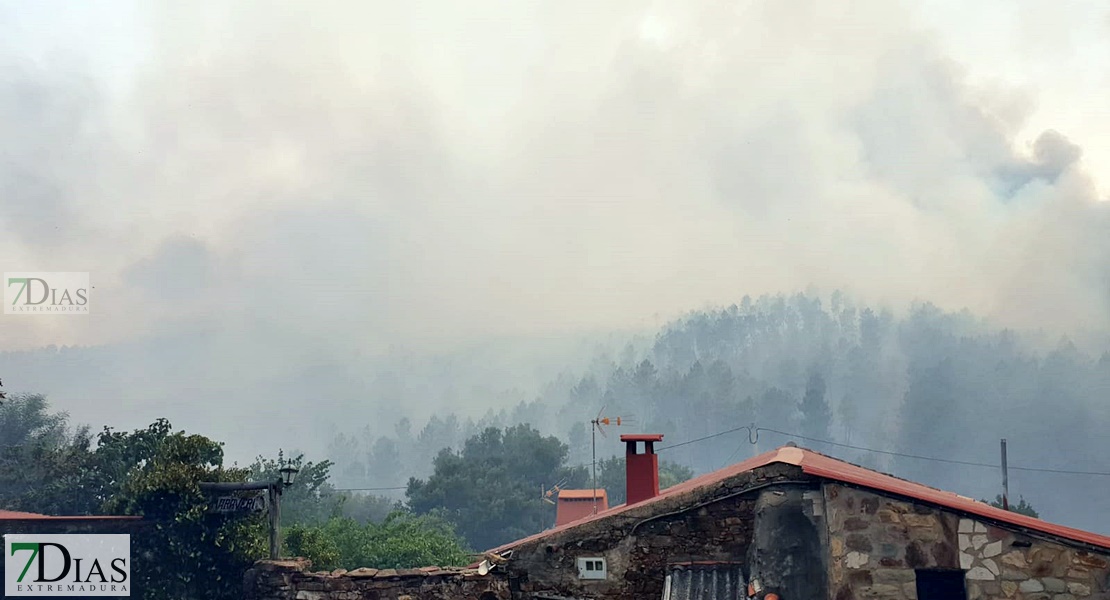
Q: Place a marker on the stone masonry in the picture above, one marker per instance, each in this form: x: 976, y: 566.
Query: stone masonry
x: 798, y: 535
x: 876, y: 543
x: 292, y: 580
x: 715, y: 526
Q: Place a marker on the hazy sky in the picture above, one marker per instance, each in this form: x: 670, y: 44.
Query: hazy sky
x: 334, y: 179
x: 385, y: 173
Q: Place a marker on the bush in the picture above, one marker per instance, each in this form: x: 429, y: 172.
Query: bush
x: 402, y: 541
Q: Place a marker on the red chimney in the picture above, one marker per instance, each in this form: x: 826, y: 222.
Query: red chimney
x: 578, y: 504
x: 641, y: 470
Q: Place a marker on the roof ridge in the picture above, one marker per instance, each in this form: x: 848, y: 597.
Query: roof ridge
x: 874, y: 470
x: 830, y: 468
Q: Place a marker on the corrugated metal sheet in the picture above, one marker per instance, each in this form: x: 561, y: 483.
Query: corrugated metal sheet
x: 705, y: 581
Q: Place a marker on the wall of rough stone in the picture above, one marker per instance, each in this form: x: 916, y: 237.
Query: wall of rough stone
x: 292, y: 580
x: 716, y: 525
x: 801, y: 538
x: 876, y: 543
x: 1032, y: 569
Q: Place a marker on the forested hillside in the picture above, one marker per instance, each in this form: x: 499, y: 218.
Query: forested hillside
x: 928, y: 384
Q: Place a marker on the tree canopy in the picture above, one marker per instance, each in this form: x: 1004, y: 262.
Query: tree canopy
x: 491, y: 489
x: 313, y: 500
x: 1021, y: 507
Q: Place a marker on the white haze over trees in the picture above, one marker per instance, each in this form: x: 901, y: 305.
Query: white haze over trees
x: 930, y: 384
x: 311, y: 220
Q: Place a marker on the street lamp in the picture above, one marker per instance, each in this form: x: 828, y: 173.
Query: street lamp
x: 288, y: 474
x: 273, y: 489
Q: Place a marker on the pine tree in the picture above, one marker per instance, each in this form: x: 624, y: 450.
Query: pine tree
x: 816, y: 416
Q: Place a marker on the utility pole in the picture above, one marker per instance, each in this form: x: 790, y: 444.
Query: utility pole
x: 275, y: 520
x: 1005, y: 479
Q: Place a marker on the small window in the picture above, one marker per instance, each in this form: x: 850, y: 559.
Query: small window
x: 591, y: 568
x: 940, y: 585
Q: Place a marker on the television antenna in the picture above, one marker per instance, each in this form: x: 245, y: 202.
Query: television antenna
x: 491, y: 560
x: 597, y: 425
x: 546, y: 494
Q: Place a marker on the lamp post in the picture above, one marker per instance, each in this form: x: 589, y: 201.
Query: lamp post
x: 273, y: 490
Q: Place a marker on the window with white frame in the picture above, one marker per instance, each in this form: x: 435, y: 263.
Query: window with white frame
x: 592, y: 568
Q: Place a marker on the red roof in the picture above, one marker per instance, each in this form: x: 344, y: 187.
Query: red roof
x: 15, y: 515
x: 819, y: 465
x: 7, y: 515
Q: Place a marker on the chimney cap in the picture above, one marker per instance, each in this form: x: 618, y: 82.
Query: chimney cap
x: 642, y: 437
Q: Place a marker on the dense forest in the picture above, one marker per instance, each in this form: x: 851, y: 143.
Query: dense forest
x: 925, y: 395
x: 859, y: 383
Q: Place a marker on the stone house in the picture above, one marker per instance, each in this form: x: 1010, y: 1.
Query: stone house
x: 787, y: 524
x: 797, y: 524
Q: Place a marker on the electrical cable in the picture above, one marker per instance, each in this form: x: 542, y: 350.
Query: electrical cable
x: 753, y: 437
x: 371, y: 489
x: 752, y: 430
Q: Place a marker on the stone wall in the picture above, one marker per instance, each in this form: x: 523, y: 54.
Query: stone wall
x: 801, y: 538
x: 876, y: 544
x: 292, y: 580
x: 716, y: 525
x: 1004, y: 564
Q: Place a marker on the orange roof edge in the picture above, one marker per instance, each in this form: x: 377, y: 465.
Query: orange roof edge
x: 581, y: 494
x: 15, y: 515
x: 832, y: 469
x: 823, y: 466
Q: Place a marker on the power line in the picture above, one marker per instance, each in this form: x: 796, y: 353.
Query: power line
x: 711, y: 436
x: 887, y: 452
x: 1063, y: 471
x: 753, y: 437
x: 942, y: 460
x: 372, y: 489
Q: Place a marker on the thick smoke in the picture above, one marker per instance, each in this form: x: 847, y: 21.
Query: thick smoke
x: 291, y: 193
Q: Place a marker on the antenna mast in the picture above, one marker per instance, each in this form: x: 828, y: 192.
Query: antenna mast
x: 593, y: 457
x: 595, y: 428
